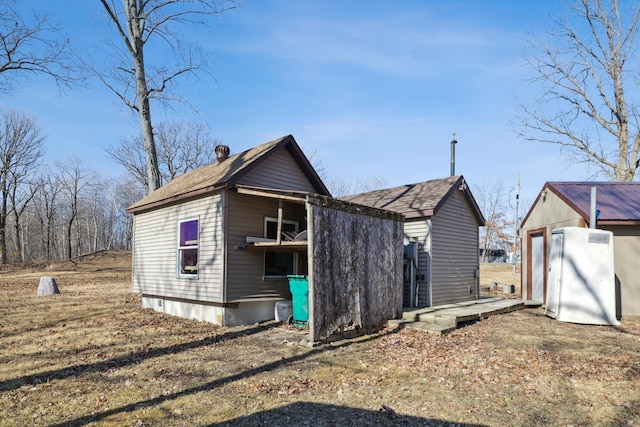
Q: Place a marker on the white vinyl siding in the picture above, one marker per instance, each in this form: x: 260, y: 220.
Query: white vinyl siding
x: 420, y: 231
x: 279, y: 171
x: 454, y: 252
x: 155, y: 252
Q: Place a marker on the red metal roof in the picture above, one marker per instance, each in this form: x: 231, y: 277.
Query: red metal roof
x: 617, y: 201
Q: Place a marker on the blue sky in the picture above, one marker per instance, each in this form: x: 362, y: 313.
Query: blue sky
x: 371, y: 88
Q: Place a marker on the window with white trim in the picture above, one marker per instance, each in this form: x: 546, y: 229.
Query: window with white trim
x: 188, y: 248
x: 279, y: 264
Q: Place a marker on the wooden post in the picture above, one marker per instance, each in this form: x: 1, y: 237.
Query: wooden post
x: 310, y: 275
x: 279, y: 232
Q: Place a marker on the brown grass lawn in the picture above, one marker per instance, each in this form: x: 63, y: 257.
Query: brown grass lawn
x: 500, y: 273
x: 92, y: 356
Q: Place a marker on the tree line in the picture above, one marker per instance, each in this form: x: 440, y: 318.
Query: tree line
x: 58, y: 211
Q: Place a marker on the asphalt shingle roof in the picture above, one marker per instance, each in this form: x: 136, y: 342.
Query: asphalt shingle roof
x: 415, y: 200
x: 218, y: 175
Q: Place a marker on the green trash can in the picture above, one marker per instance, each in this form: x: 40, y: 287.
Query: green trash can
x: 299, y: 287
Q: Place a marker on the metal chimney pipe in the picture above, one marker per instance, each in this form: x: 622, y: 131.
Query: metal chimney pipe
x: 592, y: 214
x: 453, y: 154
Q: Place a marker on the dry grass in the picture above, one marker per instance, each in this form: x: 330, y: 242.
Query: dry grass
x: 500, y: 273
x: 92, y: 356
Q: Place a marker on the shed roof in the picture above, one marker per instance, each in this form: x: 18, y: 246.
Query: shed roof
x: 418, y: 200
x: 618, y: 202
x: 218, y: 175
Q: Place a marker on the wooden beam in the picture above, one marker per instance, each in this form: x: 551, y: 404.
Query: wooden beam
x: 274, y: 247
x: 279, y: 236
x: 252, y: 192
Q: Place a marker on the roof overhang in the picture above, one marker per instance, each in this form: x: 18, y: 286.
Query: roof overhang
x: 179, y: 198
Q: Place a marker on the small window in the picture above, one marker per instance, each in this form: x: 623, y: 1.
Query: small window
x: 279, y: 264
x: 188, y: 248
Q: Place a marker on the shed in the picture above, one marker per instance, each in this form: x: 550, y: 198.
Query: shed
x: 567, y: 204
x: 218, y: 243
x: 441, y: 232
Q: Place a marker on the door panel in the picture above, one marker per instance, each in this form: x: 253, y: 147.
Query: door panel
x: 537, y: 267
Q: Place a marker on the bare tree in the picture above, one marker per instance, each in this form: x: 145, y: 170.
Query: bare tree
x: 184, y: 147
x: 181, y: 147
x: 32, y: 45
x: 495, y: 233
x: 20, y: 153
x: 137, y: 78
x: 73, y: 180
x: 129, y: 153
x: 344, y: 185
x: 588, y: 73
x: 125, y: 193
x: 20, y: 196
x: 45, y: 208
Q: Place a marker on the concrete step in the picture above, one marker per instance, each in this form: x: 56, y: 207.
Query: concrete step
x: 444, y: 318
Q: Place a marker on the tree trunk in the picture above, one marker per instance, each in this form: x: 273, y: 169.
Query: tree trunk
x: 3, y: 229
x: 17, y: 228
x: 142, y: 94
x: 69, y: 226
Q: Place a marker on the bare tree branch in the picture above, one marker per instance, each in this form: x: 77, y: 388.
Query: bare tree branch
x: 182, y: 147
x: 33, y: 45
x: 20, y: 152
x: 588, y: 103
x: 137, y: 23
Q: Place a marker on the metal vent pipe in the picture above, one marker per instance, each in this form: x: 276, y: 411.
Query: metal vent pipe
x: 592, y: 214
x: 453, y: 154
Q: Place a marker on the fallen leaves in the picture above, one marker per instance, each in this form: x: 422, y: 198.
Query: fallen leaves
x: 93, y: 355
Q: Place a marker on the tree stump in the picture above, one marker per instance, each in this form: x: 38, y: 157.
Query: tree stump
x: 48, y: 286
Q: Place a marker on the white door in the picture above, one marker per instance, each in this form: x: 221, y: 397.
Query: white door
x: 555, y: 274
x: 537, y: 267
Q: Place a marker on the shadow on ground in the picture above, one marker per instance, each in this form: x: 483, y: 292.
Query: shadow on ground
x: 318, y: 415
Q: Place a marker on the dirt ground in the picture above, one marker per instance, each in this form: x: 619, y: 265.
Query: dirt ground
x: 92, y: 356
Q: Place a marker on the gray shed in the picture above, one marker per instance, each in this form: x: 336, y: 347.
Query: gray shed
x: 441, y: 232
x: 218, y: 243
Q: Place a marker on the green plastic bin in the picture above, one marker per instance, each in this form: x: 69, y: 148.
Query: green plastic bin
x: 299, y: 287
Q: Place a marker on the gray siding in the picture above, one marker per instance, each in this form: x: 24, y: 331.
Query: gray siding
x: 155, y: 251
x: 279, y: 171
x: 245, y: 267
x: 454, y: 252
x: 420, y: 231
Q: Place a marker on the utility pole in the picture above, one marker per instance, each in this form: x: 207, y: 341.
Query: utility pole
x: 514, y: 260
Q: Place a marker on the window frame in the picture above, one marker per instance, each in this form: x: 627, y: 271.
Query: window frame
x: 194, y: 245
x: 294, y: 260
